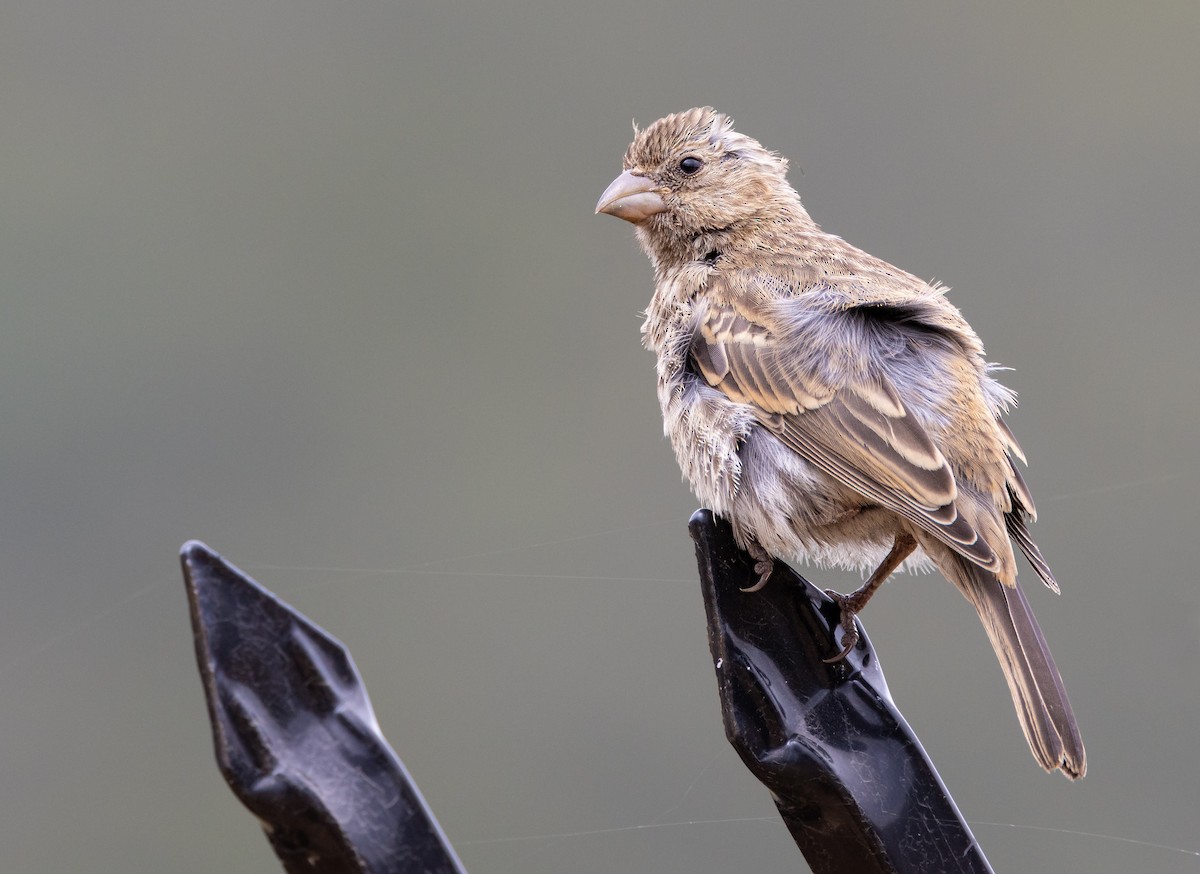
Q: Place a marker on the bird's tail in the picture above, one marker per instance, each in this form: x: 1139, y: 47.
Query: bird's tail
x: 1033, y: 679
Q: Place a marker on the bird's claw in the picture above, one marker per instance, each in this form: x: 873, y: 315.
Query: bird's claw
x: 763, y: 566
x: 849, y: 607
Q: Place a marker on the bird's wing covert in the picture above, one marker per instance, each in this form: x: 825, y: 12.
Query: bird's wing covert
x: 859, y: 433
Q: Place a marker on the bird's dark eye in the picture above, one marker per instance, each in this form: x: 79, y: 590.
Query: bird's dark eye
x: 690, y: 166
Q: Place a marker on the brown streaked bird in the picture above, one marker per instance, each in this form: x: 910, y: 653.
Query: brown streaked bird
x: 833, y: 408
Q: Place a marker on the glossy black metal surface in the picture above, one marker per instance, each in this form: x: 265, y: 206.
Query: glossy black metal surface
x: 295, y: 735
x: 849, y: 777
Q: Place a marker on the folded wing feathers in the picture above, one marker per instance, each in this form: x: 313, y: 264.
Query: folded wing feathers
x: 897, y: 429
x: 943, y: 522
x: 1020, y: 536
x: 1011, y: 441
x: 861, y: 435
x: 1022, y: 498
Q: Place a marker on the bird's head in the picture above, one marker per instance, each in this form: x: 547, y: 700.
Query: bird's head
x: 691, y: 176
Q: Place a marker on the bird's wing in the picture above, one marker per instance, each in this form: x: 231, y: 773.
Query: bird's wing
x: 1022, y: 512
x: 859, y: 432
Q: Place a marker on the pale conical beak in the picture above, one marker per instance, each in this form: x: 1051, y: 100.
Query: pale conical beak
x: 632, y: 198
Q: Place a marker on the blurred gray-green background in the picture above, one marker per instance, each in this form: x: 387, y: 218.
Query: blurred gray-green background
x: 320, y: 284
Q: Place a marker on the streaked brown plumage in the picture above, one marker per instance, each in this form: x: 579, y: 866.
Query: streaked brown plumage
x: 829, y: 405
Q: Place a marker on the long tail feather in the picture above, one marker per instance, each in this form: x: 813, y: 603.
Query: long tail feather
x: 1033, y: 679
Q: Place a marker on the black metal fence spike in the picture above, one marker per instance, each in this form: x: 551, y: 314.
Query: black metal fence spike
x: 849, y: 777
x: 295, y: 735
x: 298, y: 743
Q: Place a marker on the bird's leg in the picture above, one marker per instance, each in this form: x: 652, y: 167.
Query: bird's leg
x: 854, y: 602
x: 764, y: 564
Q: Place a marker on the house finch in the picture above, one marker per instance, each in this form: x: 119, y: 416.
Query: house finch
x: 832, y: 407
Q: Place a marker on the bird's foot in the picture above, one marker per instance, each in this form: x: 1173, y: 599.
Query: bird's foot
x: 764, y: 564
x: 849, y: 606
x: 853, y: 603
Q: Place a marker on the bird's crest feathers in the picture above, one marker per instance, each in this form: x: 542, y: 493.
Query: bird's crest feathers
x: 701, y: 129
